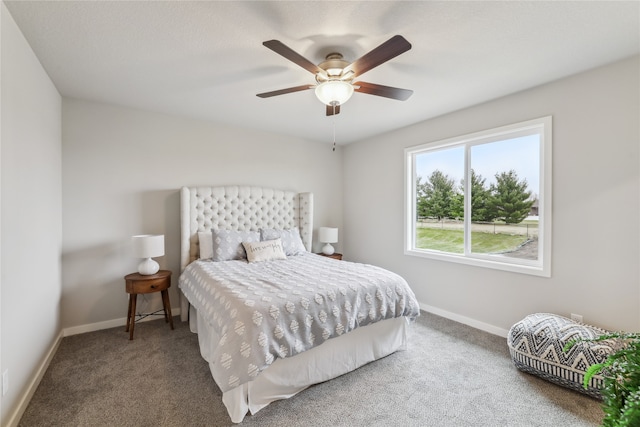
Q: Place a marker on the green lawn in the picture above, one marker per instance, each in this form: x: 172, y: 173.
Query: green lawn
x: 453, y: 241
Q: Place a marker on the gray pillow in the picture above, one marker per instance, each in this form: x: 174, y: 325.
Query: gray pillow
x: 291, y: 241
x: 227, y: 244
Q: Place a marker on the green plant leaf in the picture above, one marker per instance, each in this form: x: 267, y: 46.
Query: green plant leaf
x: 590, y: 372
x: 569, y: 345
x: 621, y: 379
x: 630, y: 416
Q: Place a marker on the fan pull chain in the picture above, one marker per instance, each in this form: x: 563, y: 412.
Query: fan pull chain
x: 334, y: 126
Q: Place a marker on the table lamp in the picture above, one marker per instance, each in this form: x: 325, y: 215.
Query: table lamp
x: 328, y: 235
x: 147, y: 246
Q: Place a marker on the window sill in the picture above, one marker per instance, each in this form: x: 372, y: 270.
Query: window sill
x: 533, y: 268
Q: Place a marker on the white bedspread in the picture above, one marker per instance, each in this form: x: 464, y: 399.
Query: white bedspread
x: 276, y: 309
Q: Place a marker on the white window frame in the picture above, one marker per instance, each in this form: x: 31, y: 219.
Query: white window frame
x: 539, y: 267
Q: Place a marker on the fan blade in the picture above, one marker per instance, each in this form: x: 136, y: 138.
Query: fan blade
x: 381, y: 54
x: 380, y: 90
x: 331, y: 111
x: 285, y: 91
x: 282, y: 49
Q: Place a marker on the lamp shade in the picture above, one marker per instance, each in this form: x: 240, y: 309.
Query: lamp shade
x: 328, y: 235
x: 334, y: 91
x: 147, y: 246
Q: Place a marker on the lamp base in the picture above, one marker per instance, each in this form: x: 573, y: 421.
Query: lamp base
x: 327, y: 249
x: 148, y: 267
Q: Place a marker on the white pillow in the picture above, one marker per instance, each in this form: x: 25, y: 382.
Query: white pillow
x: 206, y: 244
x: 264, y: 251
x: 291, y: 241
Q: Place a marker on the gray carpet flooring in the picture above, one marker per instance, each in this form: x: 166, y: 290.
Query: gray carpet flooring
x: 450, y: 375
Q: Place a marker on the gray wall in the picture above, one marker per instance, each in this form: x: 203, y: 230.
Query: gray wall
x: 31, y: 224
x: 596, y: 212
x: 122, y: 170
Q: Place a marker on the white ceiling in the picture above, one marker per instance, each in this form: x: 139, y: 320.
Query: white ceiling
x: 206, y: 59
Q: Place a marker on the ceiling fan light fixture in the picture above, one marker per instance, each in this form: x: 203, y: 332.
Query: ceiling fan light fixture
x: 331, y: 91
x: 335, y: 76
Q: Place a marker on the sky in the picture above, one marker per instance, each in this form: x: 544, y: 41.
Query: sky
x: 521, y: 154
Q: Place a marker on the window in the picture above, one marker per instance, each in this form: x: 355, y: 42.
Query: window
x: 483, y: 199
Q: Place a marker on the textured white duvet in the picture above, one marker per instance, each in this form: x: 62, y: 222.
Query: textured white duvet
x: 276, y: 309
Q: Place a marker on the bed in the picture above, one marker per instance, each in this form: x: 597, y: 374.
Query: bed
x: 282, y: 319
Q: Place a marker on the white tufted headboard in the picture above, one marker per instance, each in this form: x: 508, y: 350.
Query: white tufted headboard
x: 240, y: 208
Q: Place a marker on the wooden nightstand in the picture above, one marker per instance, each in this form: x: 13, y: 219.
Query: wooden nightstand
x: 333, y: 255
x: 137, y: 283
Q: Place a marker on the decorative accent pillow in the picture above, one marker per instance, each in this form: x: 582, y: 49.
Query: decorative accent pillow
x: 205, y: 238
x: 227, y: 244
x: 264, y: 251
x: 291, y: 241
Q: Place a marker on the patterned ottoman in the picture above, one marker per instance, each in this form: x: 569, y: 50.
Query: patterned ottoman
x: 536, y: 344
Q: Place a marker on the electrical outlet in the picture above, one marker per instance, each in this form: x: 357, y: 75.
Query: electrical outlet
x: 5, y: 382
x: 576, y: 317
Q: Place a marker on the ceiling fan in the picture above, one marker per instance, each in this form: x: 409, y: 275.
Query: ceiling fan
x: 335, y: 76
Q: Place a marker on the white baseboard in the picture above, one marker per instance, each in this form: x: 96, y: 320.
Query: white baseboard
x: 33, y: 384
x: 108, y: 324
x: 466, y: 320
